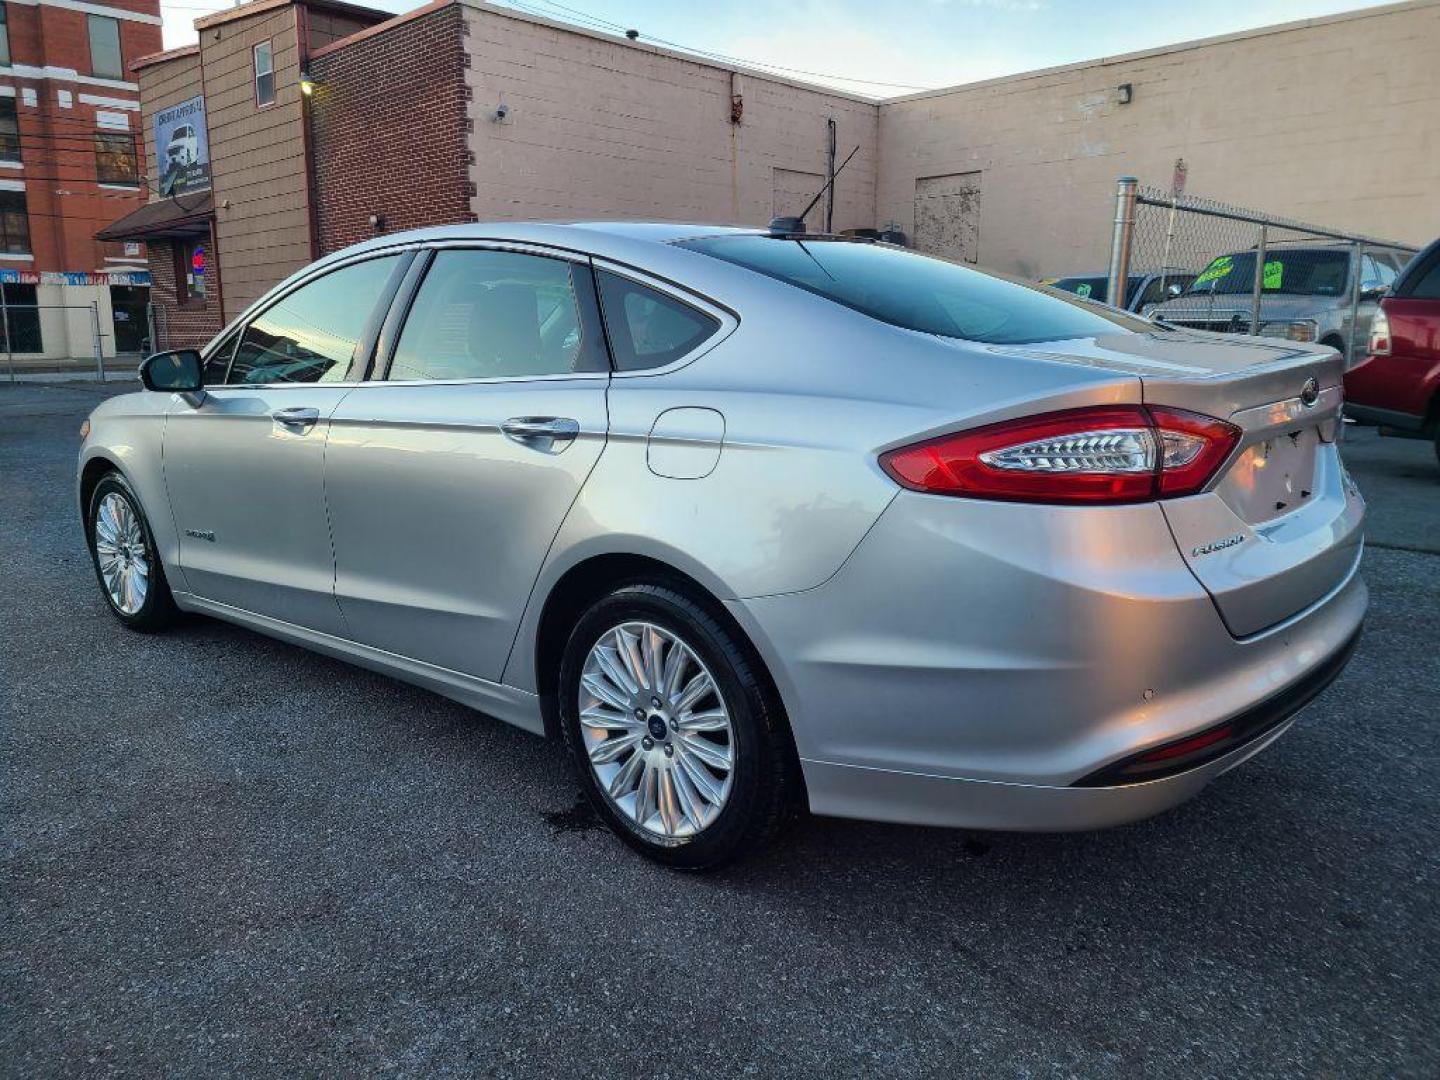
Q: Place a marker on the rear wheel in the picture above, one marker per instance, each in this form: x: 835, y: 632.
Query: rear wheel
x: 677, y: 742
x: 126, y: 562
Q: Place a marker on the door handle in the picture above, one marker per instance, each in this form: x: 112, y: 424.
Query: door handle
x: 298, y: 416
x: 550, y: 434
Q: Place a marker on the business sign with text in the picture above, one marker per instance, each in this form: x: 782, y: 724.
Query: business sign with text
x: 182, y: 148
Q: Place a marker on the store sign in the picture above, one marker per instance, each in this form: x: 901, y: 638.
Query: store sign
x: 73, y: 277
x: 182, y: 148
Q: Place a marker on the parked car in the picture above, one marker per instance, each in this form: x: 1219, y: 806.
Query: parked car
x: 1142, y: 291
x: 1306, y: 293
x: 1398, y: 385
x: 746, y: 517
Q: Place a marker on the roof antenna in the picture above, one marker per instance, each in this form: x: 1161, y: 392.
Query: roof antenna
x: 795, y: 226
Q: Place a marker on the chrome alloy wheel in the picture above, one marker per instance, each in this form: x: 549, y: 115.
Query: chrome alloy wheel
x: 656, y: 730
x: 120, y: 552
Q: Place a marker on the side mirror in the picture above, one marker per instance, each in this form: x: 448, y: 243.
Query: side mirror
x: 1372, y: 292
x: 178, y: 372
x: 1174, y: 289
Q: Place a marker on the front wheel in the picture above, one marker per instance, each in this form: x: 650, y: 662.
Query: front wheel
x: 678, y: 743
x: 126, y: 562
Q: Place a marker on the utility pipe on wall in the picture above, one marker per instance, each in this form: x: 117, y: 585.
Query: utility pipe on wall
x: 830, y: 131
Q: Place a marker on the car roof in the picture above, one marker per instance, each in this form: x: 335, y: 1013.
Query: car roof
x: 643, y: 243
x: 575, y: 234
x: 650, y: 246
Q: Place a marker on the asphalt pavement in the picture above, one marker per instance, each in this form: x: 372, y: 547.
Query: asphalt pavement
x: 222, y: 855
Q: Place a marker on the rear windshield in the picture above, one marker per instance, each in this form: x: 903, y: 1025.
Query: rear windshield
x: 1304, y: 273
x: 919, y: 292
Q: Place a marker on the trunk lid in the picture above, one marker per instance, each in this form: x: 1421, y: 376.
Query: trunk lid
x: 1278, y: 529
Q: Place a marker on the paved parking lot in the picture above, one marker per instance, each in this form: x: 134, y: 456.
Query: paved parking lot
x: 222, y: 854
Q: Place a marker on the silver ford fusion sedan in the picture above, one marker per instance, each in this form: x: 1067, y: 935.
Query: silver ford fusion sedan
x: 750, y: 516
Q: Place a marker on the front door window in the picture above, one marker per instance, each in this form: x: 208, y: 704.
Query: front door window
x: 312, y: 335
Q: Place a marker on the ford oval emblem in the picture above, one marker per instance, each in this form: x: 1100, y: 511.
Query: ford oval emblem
x: 1310, y: 393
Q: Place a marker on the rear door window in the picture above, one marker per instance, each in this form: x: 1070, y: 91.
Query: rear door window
x: 483, y: 314
x: 648, y: 328
x: 314, y: 333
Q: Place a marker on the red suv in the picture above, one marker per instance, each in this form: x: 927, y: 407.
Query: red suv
x: 1398, y: 385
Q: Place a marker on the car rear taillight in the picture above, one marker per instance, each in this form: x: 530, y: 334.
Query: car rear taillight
x: 1105, y: 454
x: 1380, y: 334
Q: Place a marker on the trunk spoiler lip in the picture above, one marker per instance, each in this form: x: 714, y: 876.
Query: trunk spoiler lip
x: 1287, y: 355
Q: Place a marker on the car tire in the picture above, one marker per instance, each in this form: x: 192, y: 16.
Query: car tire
x: 658, y: 779
x: 127, y: 564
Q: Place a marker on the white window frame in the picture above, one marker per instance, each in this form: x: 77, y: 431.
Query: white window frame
x: 269, y: 49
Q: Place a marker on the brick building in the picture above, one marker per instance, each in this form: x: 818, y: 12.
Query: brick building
x: 68, y: 166
x: 404, y: 126
x: 329, y: 123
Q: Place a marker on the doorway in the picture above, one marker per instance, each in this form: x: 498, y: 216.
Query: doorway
x: 127, y: 307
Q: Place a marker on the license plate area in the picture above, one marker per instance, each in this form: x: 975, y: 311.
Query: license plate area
x: 1273, y: 476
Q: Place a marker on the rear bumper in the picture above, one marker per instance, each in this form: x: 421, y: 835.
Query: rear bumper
x: 1232, y: 734
x: 973, y: 662
x: 950, y: 802
x: 1099, y: 801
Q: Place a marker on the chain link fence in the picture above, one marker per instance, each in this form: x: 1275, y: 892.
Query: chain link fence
x: 28, y: 333
x: 1206, y: 265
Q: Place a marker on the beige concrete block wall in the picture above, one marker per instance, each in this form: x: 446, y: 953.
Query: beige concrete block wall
x: 1334, y: 121
x: 605, y: 128
x: 257, y: 158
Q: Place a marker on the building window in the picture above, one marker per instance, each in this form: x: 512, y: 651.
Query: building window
x: 115, y: 160
x: 191, y: 270
x: 14, y: 223
x: 4, y: 36
x: 105, y: 58
x: 9, y: 130
x: 264, y: 74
